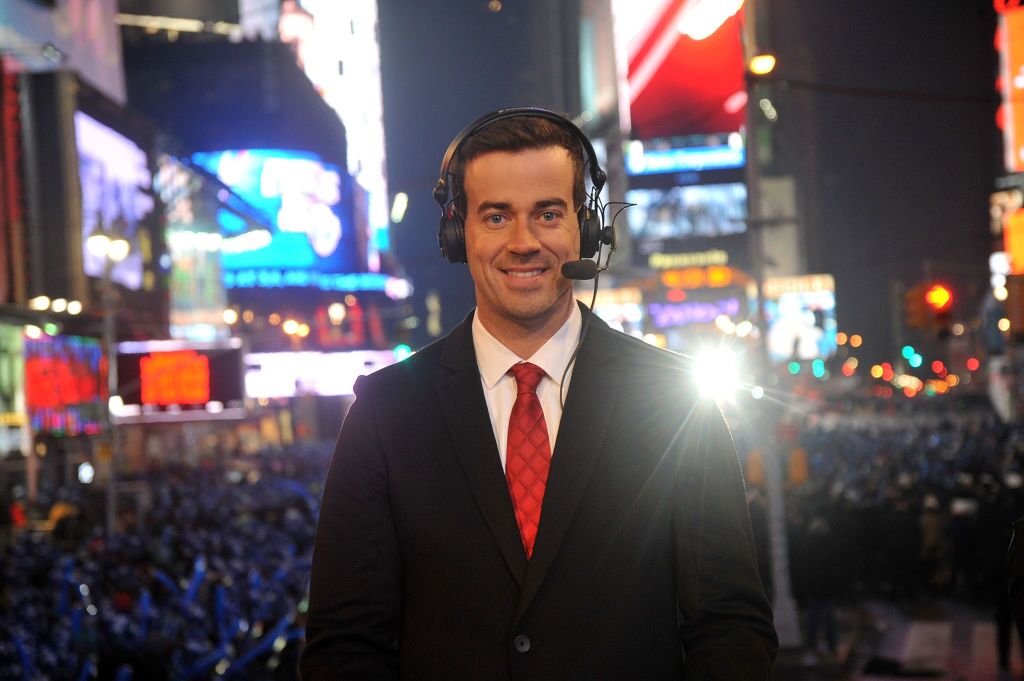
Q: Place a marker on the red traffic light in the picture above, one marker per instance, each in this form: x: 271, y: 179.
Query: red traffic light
x: 938, y: 297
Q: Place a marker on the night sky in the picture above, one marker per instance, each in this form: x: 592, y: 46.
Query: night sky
x: 886, y: 121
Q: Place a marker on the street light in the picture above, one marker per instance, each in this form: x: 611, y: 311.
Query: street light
x: 112, y: 248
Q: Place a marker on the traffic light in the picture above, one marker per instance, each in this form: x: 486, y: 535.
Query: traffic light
x: 940, y: 300
x: 916, y: 312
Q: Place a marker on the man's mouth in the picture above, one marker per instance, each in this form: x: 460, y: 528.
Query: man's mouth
x: 524, y: 274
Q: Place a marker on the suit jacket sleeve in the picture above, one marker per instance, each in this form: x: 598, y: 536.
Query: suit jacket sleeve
x: 355, y: 586
x: 726, y: 627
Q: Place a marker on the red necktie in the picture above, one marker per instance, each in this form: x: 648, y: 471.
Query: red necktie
x: 528, y: 455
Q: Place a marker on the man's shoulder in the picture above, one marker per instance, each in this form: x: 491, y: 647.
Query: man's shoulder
x: 641, y: 355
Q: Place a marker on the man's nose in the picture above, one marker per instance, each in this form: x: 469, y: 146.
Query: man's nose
x: 522, y: 238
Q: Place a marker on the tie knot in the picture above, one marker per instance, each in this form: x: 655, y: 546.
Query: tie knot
x: 527, y: 377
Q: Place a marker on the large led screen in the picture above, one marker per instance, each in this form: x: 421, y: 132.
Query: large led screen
x: 287, y: 374
x: 304, y: 200
x: 684, y: 65
x: 64, y: 384
x: 801, y: 317
x: 686, y: 213
x: 115, y: 180
x: 180, y: 379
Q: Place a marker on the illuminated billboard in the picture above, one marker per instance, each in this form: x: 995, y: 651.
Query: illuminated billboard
x: 686, y: 219
x: 287, y: 374
x: 305, y: 201
x: 801, y: 317
x: 1010, y: 41
x: 194, y: 242
x: 683, y: 63
x: 115, y: 180
x: 170, y: 380
x: 64, y: 384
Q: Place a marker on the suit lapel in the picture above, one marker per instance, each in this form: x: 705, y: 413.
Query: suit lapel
x: 469, y: 426
x: 588, y: 411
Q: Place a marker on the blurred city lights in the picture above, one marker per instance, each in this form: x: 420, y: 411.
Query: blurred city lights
x: 74, y: 307
x: 757, y: 392
x: 274, y: 319
x: 724, y: 324
x: 1004, y: 324
x: 336, y: 313
x: 401, y: 351
x: 290, y: 327
x: 59, y: 305
x: 51, y: 329
x: 876, y: 371
x: 818, y: 368
x: 840, y: 338
x: 938, y: 297
x: 958, y: 329
x: 938, y: 367
x: 856, y: 340
x: 230, y: 316
x: 973, y: 363
x: 762, y: 64
x: 907, y: 351
x: 33, y: 332
x: 744, y: 328
x: 302, y: 330
x: 1000, y: 293
x: 86, y: 473
x: 716, y: 373
x: 703, y: 17
x: 794, y: 368
x: 398, y: 207
x: 39, y: 303
x: 953, y: 380
x: 248, y: 316
x: 915, y: 360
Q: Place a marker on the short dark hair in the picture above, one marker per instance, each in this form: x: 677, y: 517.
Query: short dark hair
x: 518, y: 133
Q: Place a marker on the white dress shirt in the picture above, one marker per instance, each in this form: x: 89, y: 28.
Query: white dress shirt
x: 495, y: 360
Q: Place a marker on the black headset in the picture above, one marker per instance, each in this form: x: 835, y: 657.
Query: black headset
x: 451, y: 236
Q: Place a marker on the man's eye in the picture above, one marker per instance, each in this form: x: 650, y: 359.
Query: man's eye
x: 495, y: 219
x: 549, y: 216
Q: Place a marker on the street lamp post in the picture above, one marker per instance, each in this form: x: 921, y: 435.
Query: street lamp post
x: 113, y: 249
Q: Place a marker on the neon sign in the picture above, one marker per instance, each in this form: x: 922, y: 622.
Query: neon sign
x: 181, y: 377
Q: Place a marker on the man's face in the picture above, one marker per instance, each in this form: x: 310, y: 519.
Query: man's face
x: 521, y: 226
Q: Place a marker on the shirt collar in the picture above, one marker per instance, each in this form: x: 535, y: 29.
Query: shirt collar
x: 494, y: 359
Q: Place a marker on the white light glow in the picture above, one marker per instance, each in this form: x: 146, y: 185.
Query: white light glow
x: 59, y: 305
x: 86, y: 473
x: 117, y: 249
x: 249, y: 241
x: 717, y: 373
x: 398, y: 207
x: 39, y: 303
x: 33, y: 332
x: 74, y: 307
x: 700, y: 19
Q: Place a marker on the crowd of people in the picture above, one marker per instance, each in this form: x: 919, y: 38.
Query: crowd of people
x: 907, y: 509
x: 211, y: 583
x: 211, y: 579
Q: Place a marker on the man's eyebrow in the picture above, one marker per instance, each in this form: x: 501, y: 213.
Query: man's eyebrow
x: 505, y: 205
x: 492, y: 205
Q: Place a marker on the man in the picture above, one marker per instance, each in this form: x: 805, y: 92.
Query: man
x: 472, y: 530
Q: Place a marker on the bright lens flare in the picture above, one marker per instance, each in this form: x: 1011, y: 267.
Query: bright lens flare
x: 717, y: 373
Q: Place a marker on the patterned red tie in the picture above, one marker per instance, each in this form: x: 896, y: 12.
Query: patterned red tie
x: 528, y: 455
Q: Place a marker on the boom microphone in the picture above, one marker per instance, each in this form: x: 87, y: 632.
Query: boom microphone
x: 580, y: 270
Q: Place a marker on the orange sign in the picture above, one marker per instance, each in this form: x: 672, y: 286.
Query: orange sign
x: 179, y: 377
x: 1011, y: 81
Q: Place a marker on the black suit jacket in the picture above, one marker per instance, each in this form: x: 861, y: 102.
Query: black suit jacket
x: 644, y: 546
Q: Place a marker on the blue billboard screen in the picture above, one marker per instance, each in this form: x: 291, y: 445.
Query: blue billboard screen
x: 305, y: 201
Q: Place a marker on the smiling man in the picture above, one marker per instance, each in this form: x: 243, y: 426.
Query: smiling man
x: 472, y: 529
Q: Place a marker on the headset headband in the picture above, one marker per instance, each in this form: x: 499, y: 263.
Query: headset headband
x: 597, y: 175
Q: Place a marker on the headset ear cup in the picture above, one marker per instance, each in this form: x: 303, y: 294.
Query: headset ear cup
x: 452, y: 237
x: 590, y: 231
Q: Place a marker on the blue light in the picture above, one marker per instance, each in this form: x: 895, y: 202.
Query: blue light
x: 915, y: 360
x: 907, y: 351
x: 680, y: 160
x: 818, y: 368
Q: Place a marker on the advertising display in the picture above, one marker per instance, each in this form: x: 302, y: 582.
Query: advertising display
x: 13, y: 412
x: 115, y: 179
x: 801, y: 317
x: 304, y: 200
x: 64, y: 384
x: 687, y: 219
x: 173, y: 380
x: 1010, y: 41
x: 702, y: 306
x: 683, y: 62
x: 197, y: 293
x: 288, y: 374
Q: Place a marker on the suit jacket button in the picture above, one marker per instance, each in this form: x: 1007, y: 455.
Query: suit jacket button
x: 521, y: 643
